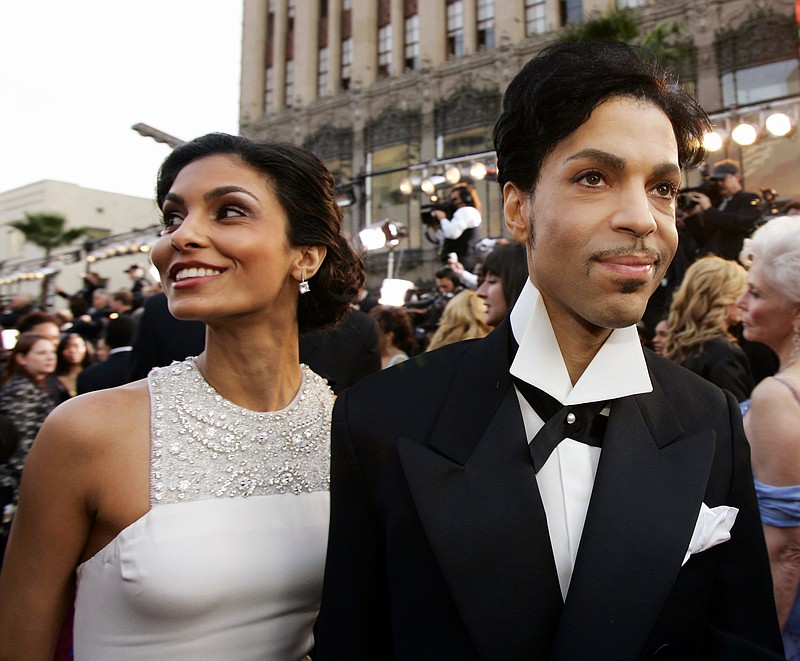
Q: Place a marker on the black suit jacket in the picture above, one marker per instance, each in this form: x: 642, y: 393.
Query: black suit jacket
x: 726, y: 230
x: 161, y: 338
x: 724, y: 364
x: 110, y: 373
x: 346, y: 353
x: 439, y: 547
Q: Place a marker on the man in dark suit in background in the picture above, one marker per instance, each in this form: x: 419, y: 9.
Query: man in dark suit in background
x: 160, y: 338
x: 345, y: 354
x: 627, y: 528
x: 113, y: 371
x: 726, y: 226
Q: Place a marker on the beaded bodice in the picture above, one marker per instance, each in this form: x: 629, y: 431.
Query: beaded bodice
x: 203, y: 446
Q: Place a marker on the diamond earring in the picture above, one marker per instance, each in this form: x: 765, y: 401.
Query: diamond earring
x: 304, y: 286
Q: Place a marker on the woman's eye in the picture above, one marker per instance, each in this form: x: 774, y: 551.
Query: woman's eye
x: 170, y: 220
x: 231, y: 212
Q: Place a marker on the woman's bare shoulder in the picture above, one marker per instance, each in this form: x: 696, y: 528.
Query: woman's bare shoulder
x: 772, y: 426
x: 91, y: 418
x: 773, y: 394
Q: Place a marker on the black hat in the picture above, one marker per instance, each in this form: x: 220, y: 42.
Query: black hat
x: 724, y: 169
x: 132, y: 267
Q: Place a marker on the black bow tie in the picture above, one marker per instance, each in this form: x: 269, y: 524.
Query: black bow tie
x: 580, y: 422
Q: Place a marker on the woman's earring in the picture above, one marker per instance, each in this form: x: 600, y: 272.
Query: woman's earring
x: 795, y: 345
x: 304, y: 286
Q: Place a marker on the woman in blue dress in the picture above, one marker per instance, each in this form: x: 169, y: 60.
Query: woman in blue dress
x: 771, y: 315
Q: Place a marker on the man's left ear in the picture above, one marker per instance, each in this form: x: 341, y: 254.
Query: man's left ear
x: 311, y: 258
x: 516, y: 212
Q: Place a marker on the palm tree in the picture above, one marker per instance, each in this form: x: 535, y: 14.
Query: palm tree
x: 46, y: 230
x: 664, y: 39
x: 612, y: 25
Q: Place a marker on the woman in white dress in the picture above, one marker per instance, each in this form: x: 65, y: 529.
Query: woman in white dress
x: 190, y: 509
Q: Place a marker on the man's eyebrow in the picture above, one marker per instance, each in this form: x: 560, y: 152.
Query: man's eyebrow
x: 619, y: 163
x: 667, y: 170
x: 608, y: 159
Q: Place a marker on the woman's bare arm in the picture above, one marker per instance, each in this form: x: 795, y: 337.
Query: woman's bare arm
x: 64, y: 515
x: 773, y: 430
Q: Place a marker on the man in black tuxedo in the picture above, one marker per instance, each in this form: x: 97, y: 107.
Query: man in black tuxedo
x: 160, y: 338
x: 453, y: 534
x: 344, y: 354
x: 727, y: 225
x: 113, y: 371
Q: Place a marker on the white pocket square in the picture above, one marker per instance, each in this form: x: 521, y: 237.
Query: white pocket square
x: 713, y: 527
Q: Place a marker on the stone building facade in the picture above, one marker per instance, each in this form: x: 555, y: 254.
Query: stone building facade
x: 387, y: 90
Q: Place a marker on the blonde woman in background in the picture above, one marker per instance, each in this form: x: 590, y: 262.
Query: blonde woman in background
x: 462, y: 319
x: 702, y: 311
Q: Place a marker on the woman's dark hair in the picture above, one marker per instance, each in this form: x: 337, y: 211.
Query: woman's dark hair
x: 510, y: 264
x: 25, y: 342
x: 78, y: 305
x: 306, y: 191
x: 396, y: 320
x: 62, y: 366
x: 35, y: 318
x: 557, y: 91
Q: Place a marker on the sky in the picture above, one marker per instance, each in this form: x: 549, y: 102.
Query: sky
x: 75, y: 76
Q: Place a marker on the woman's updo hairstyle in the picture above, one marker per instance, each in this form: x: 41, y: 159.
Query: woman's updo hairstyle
x: 306, y: 191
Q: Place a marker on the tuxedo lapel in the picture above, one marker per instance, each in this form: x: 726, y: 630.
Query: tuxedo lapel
x: 476, y: 495
x: 647, y: 493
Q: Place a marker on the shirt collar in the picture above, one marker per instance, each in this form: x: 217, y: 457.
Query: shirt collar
x: 618, y: 369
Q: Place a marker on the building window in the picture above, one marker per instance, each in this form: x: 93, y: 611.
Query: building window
x: 535, y: 17
x: 630, y: 4
x: 485, y: 10
x: 289, y: 86
x: 322, y: 73
x: 347, y: 62
x: 347, y: 5
x: 455, y: 28
x: 761, y: 83
x: 385, y: 51
x: 758, y: 60
x: 571, y: 11
x: 290, y: 12
x: 412, y: 43
x: 269, y: 89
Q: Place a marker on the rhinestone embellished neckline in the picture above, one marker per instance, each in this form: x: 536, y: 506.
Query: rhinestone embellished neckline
x: 203, y: 446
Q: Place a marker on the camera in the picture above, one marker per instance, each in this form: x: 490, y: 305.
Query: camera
x: 707, y: 187
x: 426, y: 212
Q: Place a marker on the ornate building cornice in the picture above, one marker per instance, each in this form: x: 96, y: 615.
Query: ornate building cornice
x: 465, y: 109
x: 763, y: 38
x: 393, y: 127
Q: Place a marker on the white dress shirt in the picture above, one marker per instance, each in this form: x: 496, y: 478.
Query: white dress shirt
x: 566, y: 480
x: 463, y: 219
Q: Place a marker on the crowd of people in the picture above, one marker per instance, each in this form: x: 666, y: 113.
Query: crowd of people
x: 256, y: 459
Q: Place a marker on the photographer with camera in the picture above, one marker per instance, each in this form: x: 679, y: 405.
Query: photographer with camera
x: 458, y: 225
x: 727, y: 225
